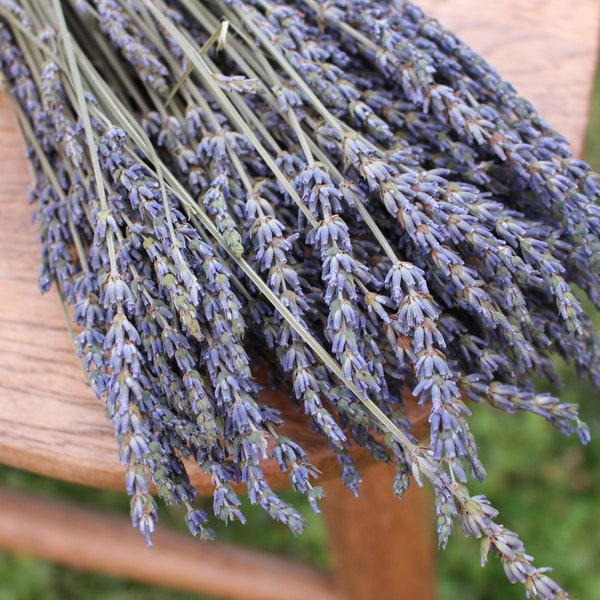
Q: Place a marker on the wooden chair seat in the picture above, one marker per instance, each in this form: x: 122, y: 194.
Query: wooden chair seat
x: 51, y: 424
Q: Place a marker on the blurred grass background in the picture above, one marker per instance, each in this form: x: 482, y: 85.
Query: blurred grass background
x: 546, y: 487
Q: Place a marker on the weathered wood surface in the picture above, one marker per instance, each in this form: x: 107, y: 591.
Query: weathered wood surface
x: 51, y: 424
x: 547, y: 49
x: 50, y: 421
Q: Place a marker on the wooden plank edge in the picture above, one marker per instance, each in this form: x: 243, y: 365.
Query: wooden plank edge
x: 83, y: 538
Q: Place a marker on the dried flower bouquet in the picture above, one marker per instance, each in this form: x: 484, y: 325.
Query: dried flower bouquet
x: 341, y: 189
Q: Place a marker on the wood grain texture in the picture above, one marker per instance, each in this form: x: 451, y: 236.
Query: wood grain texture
x: 547, y: 49
x: 380, y: 544
x: 51, y: 424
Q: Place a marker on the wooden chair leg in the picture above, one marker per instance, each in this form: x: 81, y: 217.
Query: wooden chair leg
x: 381, y: 545
x: 87, y: 539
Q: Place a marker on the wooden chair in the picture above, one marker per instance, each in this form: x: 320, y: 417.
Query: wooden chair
x: 51, y: 424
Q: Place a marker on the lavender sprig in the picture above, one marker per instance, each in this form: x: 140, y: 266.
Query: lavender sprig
x: 365, y: 195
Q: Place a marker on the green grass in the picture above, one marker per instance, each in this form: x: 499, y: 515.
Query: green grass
x: 547, y: 488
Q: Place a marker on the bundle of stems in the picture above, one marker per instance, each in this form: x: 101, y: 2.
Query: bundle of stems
x: 340, y: 189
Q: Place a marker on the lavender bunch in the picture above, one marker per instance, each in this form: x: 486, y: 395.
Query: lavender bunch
x: 342, y: 189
